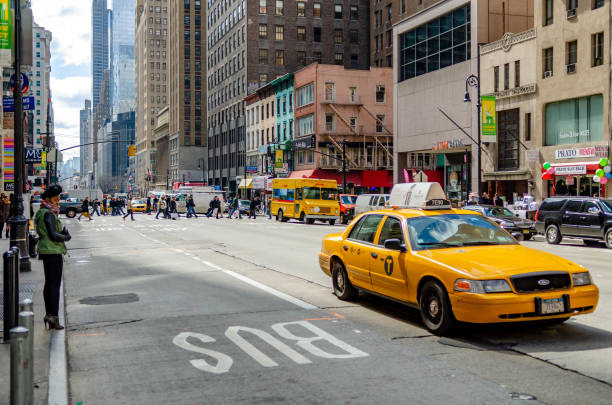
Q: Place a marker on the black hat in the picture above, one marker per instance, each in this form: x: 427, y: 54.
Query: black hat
x: 52, y: 191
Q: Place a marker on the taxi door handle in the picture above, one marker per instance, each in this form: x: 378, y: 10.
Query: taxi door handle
x: 345, y: 247
x: 374, y: 254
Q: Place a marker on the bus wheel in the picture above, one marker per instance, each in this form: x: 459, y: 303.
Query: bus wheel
x: 332, y: 222
x: 310, y: 221
x: 279, y: 215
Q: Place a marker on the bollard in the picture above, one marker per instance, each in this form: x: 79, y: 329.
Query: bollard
x: 26, y: 320
x: 26, y: 305
x: 11, y: 299
x: 19, y: 365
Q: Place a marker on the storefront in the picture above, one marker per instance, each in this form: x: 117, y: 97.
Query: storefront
x: 366, y: 181
x: 575, y: 179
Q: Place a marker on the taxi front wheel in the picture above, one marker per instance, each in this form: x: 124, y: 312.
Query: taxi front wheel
x: 343, y: 289
x: 436, y: 310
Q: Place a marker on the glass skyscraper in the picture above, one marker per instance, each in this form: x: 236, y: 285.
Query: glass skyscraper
x: 99, y: 47
x: 122, y: 56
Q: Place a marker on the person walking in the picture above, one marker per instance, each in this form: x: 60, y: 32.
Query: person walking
x: 215, y: 207
x: 269, y: 207
x: 120, y: 205
x: 161, y: 209
x: 173, y: 209
x: 191, y: 207
x: 210, y: 207
x: 85, y: 210
x: 167, y: 208
x: 51, y: 247
x: 96, y: 207
x: 498, y: 200
x: 104, y: 205
x: 253, y: 208
x: 148, y: 211
x: 129, y: 211
x: 155, y: 202
x: 4, y: 212
x: 235, y: 207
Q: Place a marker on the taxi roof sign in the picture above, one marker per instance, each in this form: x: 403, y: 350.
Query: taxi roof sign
x: 419, y: 195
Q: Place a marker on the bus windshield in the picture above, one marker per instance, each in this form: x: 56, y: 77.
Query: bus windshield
x: 312, y: 193
x: 329, y: 193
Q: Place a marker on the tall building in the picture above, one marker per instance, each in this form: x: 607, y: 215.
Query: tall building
x: 187, y: 89
x: 113, y: 163
x: 86, y: 152
x: 280, y: 37
x: 122, y: 56
x: 40, y: 82
x: 99, y: 47
x: 151, y: 88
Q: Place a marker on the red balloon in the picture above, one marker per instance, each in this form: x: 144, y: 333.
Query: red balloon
x: 546, y: 176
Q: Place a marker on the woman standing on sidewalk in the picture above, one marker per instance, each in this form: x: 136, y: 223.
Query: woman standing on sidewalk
x: 50, y: 248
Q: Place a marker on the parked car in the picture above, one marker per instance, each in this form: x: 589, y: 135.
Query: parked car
x: 347, y: 207
x: 70, y: 207
x: 370, y: 202
x: 587, y: 218
x: 520, y: 228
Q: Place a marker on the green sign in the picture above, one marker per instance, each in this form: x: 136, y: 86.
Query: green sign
x: 489, y: 119
x: 6, y: 25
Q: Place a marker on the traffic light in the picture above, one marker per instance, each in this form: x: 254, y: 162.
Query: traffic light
x: 132, y: 150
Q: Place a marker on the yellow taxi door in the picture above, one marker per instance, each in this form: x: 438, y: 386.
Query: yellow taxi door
x: 357, y: 249
x: 387, y: 266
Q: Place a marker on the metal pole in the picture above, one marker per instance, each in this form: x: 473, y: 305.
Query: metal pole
x: 26, y: 320
x: 479, y: 136
x: 48, y: 143
x: 18, y: 222
x: 26, y: 305
x: 19, y: 365
x: 344, y: 166
x: 10, y: 289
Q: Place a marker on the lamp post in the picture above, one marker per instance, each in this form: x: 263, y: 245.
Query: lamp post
x: 201, y: 165
x: 18, y: 222
x: 474, y: 81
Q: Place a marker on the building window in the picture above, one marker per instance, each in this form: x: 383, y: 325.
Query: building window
x: 305, y: 95
x: 338, y: 11
x: 572, y: 55
x: 506, y: 76
x: 279, y: 32
x: 330, y: 122
x: 380, y: 94
x: 574, y: 121
x: 354, y: 11
x: 380, y: 123
x: 507, y: 142
x: 517, y: 73
x: 353, y: 36
x: 186, y: 35
x: 353, y: 98
x: 263, y: 56
x: 280, y: 7
x: 263, y: 31
x: 442, y: 42
x: 572, y: 4
x: 496, y: 79
x: 330, y: 91
x: 263, y: 9
x: 548, y: 62
x: 316, y: 10
x: 528, y: 127
x: 403, y: 6
x: 280, y: 57
x: 597, y: 49
x: 338, y: 36
x: 301, y: 9
x: 598, y: 3
x: 548, y: 12
x: 316, y: 34
x: 305, y: 125
x: 263, y: 79
x: 301, y: 33
x: 339, y: 58
x: 301, y: 58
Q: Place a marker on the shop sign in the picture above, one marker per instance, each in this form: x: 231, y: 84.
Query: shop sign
x: 251, y: 169
x: 489, y: 119
x: 532, y: 155
x: 33, y: 155
x: 278, y: 159
x: 443, y: 145
x: 569, y: 180
x: 570, y: 170
x: 586, y: 152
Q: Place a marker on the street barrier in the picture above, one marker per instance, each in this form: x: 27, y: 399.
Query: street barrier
x: 26, y: 305
x: 19, y: 366
x: 26, y: 320
x: 11, y: 291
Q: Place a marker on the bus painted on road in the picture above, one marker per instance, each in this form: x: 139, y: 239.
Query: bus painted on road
x: 308, y: 200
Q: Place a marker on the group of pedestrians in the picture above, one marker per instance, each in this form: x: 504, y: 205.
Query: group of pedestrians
x: 485, y: 199
x: 167, y: 207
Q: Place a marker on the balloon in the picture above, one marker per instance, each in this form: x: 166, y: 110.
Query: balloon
x: 603, y: 162
x: 600, y: 173
x: 603, y: 180
x: 551, y: 171
x: 608, y: 175
x: 546, y: 165
x: 546, y: 176
x: 608, y: 169
x: 596, y: 179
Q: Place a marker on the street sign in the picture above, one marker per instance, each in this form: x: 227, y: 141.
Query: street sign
x: 131, y: 150
x: 8, y: 104
x: 25, y: 83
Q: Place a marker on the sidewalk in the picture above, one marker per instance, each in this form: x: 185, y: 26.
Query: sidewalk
x: 30, y: 286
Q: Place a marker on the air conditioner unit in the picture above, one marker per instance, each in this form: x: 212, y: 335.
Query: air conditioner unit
x: 548, y: 73
x: 571, y: 68
x: 571, y: 13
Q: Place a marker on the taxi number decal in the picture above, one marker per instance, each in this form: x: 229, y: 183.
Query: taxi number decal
x: 389, y: 265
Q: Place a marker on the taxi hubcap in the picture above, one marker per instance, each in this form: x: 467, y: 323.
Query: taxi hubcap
x: 434, y: 308
x: 339, y: 281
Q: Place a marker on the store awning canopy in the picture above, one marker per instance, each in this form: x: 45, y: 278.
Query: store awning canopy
x: 302, y: 174
x: 246, y: 183
x: 589, y: 165
x: 366, y: 178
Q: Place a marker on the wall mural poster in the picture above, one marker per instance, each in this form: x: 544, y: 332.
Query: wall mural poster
x: 489, y: 119
x: 9, y: 164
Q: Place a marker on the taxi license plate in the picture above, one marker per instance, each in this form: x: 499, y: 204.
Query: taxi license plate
x: 553, y: 306
x: 525, y: 231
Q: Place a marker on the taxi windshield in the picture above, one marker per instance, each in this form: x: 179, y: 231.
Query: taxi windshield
x: 349, y: 199
x: 455, y: 230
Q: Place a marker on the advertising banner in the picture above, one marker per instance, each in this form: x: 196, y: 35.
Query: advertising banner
x: 278, y: 159
x: 489, y: 119
x: 9, y: 164
x: 6, y: 25
x: 570, y: 170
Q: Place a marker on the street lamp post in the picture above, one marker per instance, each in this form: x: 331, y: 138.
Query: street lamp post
x: 18, y: 222
x: 474, y: 81
x: 203, y: 167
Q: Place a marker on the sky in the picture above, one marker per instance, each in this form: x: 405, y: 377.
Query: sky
x: 70, y: 24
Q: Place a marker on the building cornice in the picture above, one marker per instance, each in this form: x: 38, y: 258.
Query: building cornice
x: 507, y: 41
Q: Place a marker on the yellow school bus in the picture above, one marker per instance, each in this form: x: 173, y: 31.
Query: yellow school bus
x: 308, y: 200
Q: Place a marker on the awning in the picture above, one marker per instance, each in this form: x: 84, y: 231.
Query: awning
x: 261, y: 182
x: 351, y: 177
x: 377, y: 178
x: 575, y: 168
x: 246, y: 183
x: 301, y: 174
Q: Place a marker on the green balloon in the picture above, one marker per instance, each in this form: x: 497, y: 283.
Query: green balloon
x: 546, y: 165
x: 603, y: 162
x: 600, y: 173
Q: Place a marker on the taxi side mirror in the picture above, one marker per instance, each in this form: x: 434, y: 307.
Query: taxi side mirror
x: 395, y: 244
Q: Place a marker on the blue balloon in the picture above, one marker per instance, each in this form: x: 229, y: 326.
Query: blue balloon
x: 609, y: 175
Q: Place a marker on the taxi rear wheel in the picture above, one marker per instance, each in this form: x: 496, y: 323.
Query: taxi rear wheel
x: 436, y: 311
x: 343, y: 289
x: 553, y: 235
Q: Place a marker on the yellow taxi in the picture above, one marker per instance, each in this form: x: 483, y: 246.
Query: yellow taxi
x: 139, y: 205
x: 452, y: 265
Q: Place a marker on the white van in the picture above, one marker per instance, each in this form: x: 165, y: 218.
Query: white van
x: 370, y: 202
x: 201, y: 198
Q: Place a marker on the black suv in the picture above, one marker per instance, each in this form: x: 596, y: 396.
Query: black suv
x: 581, y: 217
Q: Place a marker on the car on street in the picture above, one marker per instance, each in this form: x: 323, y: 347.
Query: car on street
x: 370, y: 202
x: 586, y: 218
x: 521, y: 229
x: 244, y: 206
x: 70, y: 207
x: 347, y: 207
x: 452, y: 265
x: 139, y: 205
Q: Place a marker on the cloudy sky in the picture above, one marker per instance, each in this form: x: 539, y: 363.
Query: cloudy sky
x: 70, y: 23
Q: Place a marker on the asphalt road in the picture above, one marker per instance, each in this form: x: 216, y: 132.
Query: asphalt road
x: 226, y: 311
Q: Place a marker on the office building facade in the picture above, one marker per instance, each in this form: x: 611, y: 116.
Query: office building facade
x: 122, y: 56
x: 99, y: 47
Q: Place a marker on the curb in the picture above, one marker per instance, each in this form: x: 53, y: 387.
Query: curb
x: 58, y: 370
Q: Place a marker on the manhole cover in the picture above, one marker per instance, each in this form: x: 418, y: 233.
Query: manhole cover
x: 110, y: 299
x: 26, y: 290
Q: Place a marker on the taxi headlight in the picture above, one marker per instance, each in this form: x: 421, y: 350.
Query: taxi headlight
x: 482, y: 286
x: 579, y: 279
